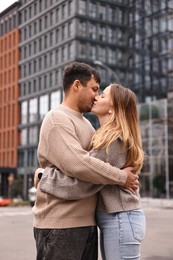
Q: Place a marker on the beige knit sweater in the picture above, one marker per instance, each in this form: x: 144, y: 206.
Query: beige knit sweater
x: 64, y: 141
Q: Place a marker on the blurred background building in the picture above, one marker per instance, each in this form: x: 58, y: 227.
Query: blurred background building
x: 9, y: 94
x: 129, y: 41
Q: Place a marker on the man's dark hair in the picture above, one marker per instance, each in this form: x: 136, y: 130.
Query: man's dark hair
x: 81, y: 71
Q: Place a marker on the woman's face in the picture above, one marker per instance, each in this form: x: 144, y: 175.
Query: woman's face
x: 103, y: 104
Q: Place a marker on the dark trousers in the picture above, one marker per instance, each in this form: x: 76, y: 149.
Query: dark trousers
x: 67, y: 244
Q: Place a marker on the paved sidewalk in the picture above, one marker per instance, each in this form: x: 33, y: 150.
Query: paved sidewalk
x: 157, y: 203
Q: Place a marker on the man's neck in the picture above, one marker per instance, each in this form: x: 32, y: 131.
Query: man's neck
x: 70, y: 105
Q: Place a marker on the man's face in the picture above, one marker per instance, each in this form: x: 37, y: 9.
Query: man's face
x: 87, y: 95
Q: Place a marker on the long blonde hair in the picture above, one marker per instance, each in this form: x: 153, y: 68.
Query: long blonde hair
x: 123, y: 123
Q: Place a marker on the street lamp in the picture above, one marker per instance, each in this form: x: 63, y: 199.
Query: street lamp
x: 101, y: 64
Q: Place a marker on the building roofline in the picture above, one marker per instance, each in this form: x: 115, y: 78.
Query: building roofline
x: 17, y: 3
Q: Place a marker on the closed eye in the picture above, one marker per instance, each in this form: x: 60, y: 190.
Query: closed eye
x: 102, y: 95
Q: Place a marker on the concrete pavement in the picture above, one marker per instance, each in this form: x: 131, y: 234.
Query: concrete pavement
x: 157, y: 203
x: 17, y: 243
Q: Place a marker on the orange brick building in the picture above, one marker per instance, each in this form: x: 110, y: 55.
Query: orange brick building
x: 9, y: 93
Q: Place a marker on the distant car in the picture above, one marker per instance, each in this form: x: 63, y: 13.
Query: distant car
x: 5, y: 201
x: 32, y: 195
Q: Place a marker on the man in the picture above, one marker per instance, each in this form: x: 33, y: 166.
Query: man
x: 66, y: 230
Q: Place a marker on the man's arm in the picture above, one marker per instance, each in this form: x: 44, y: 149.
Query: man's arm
x: 54, y: 182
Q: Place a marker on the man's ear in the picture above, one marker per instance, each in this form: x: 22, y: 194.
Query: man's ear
x: 76, y: 84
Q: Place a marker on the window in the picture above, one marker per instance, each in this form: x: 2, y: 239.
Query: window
x: 62, y: 53
x: 121, y: 16
x: 111, y: 56
x: 23, y: 140
x: 35, y: 28
x: 111, y: 14
x: 63, y: 11
x: 63, y: 32
x: 110, y: 35
x: 70, y: 6
x: 33, y: 110
x: 57, y: 14
x: 92, y: 31
x: 45, y: 41
x: 51, y: 18
x: 57, y: 36
x: 70, y: 50
x: 24, y: 112
x: 70, y: 29
x: 102, y: 54
x: 35, y: 66
x: 51, y: 59
x: 82, y: 28
x: 82, y: 7
x: 45, y: 22
x: 40, y: 25
x: 102, y: 33
x: 155, y: 26
x: 55, y: 98
x: 44, y: 106
x: 50, y: 79
x: 93, y: 52
x: 45, y: 61
x: 92, y: 9
x: 31, y: 157
x: 35, y: 8
x: 57, y: 78
x: 45, y: 82
x: 102, y: 12
x: 40, y: 44
x: 21, y: 158
x: 57, y: 56
x: 51, y: 39
x: 33, y: 135
x: 82, y: 50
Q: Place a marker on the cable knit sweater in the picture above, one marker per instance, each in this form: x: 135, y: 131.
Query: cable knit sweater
x: 64, y: 141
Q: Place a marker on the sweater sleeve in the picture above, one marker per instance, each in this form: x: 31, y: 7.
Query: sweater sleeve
x: 62, y: 149
x: 62, y: 186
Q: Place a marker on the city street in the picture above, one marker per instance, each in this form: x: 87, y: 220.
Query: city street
x: 17, y: 243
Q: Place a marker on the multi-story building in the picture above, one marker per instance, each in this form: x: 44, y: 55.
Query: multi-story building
x: 150, y: 48
x: 9, y: 93
x: 52, y: 35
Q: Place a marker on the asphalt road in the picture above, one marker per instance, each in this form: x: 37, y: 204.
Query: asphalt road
x: 17, y: 243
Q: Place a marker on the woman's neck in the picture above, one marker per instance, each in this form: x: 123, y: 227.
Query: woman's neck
x: 103, y: 119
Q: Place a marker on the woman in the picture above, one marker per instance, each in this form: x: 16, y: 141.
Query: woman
x: 119, y: 213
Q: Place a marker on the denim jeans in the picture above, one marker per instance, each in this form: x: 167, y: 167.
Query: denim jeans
x: 67, y: 244
x: 121, y: 234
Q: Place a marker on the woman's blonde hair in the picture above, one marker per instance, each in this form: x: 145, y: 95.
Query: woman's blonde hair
x: 123, y: 123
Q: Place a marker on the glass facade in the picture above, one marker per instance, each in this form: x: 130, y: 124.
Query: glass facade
x: 151, y: 30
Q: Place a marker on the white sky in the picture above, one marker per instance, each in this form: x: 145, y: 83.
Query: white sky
x: 5, y: 3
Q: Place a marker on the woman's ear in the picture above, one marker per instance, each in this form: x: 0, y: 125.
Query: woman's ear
x: 110, y: 111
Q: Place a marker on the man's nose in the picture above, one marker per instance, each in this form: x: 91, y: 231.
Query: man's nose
x: 96, y: 96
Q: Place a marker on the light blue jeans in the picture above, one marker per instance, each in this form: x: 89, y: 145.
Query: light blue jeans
x: 121, y: 234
